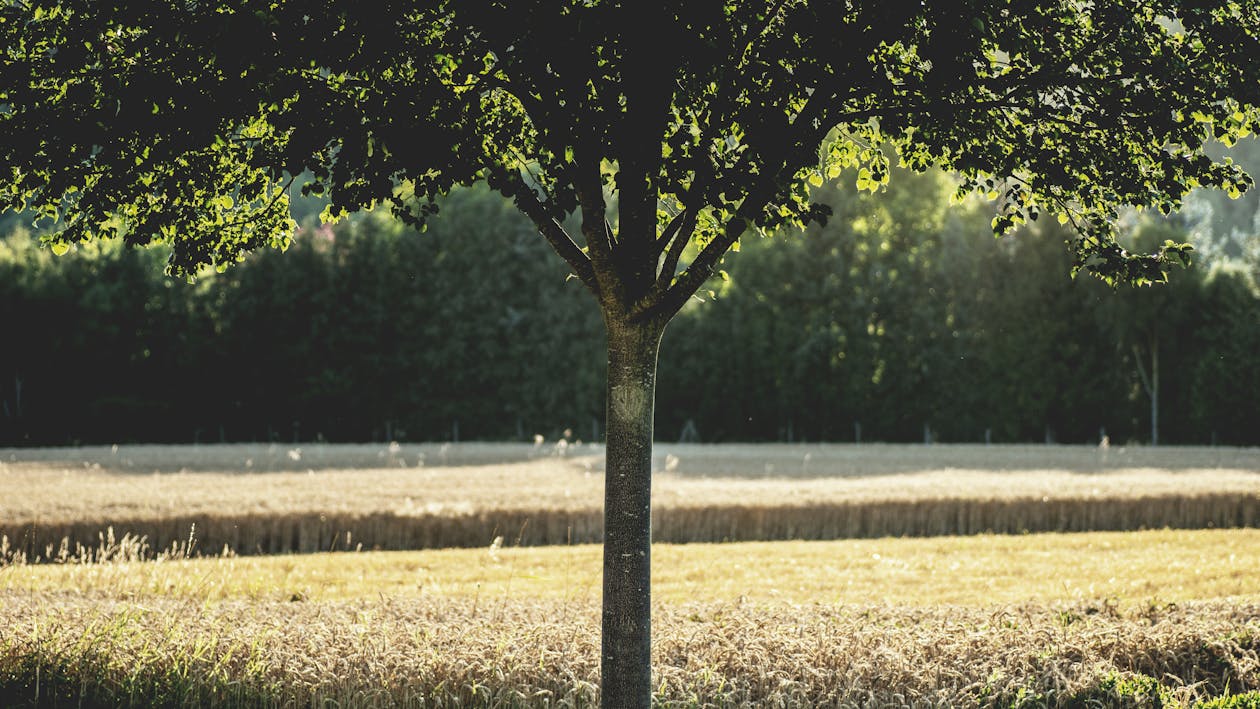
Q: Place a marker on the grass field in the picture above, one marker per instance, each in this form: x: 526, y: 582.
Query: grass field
x: 1168, y: 565
x: 271, y: 498
x: 1107, y: 618
x: 1164, y: 617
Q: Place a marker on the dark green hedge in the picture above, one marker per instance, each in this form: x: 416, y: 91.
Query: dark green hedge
x: 901, y: 317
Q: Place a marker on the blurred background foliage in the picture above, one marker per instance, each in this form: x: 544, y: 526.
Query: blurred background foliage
x: 902, y: 319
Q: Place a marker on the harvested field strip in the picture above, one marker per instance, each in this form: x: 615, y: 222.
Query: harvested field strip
x: 694, y: 459
x: 467, y: 495
x: 277, y: 457
x: 46, y: 488
x: 1131, y: 568
x: 305, y: 532
x: 441, y: 652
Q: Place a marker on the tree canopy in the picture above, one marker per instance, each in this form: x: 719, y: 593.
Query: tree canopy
x: 186, y: 122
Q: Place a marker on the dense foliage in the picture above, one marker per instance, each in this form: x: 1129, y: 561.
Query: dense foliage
x: 186, y: 123
x: 898, y: 316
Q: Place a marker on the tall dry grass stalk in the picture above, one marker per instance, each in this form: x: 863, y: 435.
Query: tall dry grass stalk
x: 454, y: 654
x: 711, y: 493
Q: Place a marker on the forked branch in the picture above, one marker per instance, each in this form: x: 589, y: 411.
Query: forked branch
x: 559, y: 238
x: 676, y: 237
x: 674, y: 296
x: 595, y: 227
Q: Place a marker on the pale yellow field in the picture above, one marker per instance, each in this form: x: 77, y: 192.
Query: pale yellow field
x: 982, y: 570
x: 256, y: 498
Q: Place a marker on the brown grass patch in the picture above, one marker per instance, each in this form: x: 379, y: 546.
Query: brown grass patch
x: 427, y: 652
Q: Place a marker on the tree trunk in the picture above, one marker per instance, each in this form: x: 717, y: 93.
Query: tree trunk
x: 626, y: 667
x: 1150, y: 382
x: 1155, y: 389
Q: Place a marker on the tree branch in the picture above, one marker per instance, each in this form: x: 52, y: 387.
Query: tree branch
x: 560, y: 241
x: 682, y: 227
x: 668, y: 233
x: 595, y: 228
x: 673, y: 298
x: 592, y: 266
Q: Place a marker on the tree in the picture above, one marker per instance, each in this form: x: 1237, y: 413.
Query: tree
x: 1223, y: 382
x: 1150, y: 329
x: 187, y: 122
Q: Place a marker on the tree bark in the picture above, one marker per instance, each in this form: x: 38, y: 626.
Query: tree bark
x: 1150, y: 382
x: 1155, y: 388
x: 625, y: 668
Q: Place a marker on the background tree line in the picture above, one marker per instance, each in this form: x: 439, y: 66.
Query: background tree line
x: 900, y: 320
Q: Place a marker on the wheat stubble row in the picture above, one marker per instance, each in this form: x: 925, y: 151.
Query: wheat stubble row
x: 256, y: 499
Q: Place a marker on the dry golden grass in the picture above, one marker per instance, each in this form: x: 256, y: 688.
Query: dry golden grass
x: 258, y: 498
x: 982, y: 570
x: 1096, y: 619
x: 444, y: 652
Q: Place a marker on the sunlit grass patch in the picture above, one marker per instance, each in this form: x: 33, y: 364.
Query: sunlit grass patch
x: 1001, y: 620
x: 1171, y: 565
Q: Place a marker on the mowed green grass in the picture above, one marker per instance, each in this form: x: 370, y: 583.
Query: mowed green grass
x: 982, y: 570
